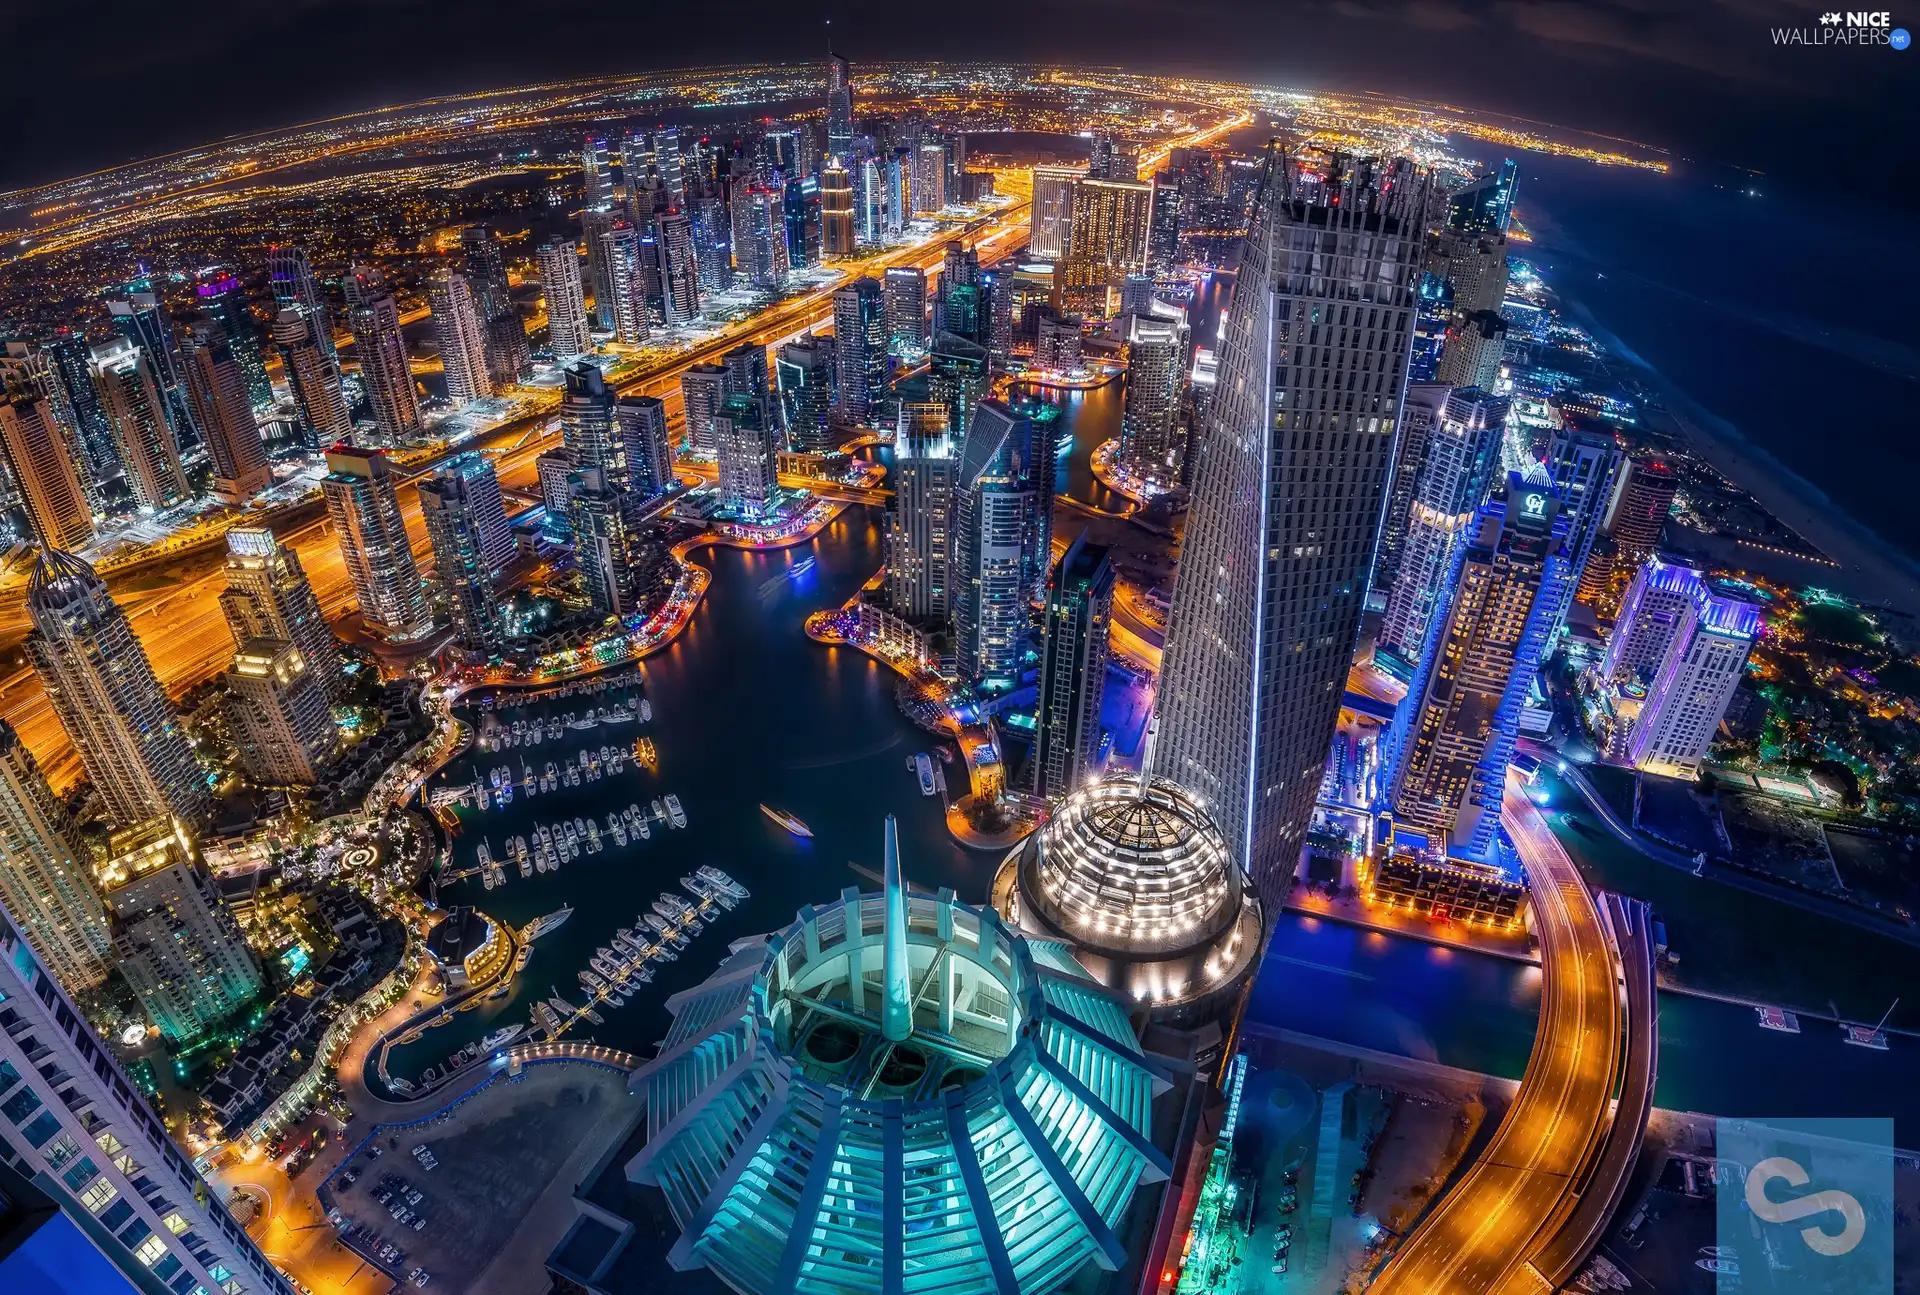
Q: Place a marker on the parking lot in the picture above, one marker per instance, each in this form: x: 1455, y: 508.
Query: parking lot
x: 493, y: 1156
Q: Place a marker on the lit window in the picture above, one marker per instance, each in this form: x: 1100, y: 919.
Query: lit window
x: 149, y: 1251
x: 97, y: 1196
x: 174, y: 1223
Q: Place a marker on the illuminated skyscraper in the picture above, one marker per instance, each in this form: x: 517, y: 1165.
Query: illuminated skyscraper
x: 1657, y: 601
x: 1486, y: 205
x: 509, y: 359
x: 268, y: 596
x: 930, y: 195
x: 906, y: 310
x: 1471, y: 355
x: 94, y: 1144
x: 141, y: 318
x: 296, y: 287
x: 1449, y: 747
x: 1286, y: 499
x: 1419, y: 414
x: 223, y: 299
x: 641, y: 424
x: 1155, y: 367
x: 98, y: 460
x: 35, y: 375
x: 462, y: 335
x: 567, y: 331
x: 839, y: 108
x: 1640, y: 512
x: 218, y: 388
x: 1073, y: 669
x: 836, y: 211
x: 1050, y: 218
x: 748, y: 451
x: 993, y: 513
x: 102, y: 687
x: 596, y: 187
x: 621, y: 297
x: 679, y: 268
x: 860, y: 347
x: 702, y: 388
x: 958, y: 377
x: 178, y: 944
x: 1461, y: 455
x: 315, y: 381
x: 386, y: 374
x: 1107, y: 239
x: 920, y: 524
x: 283, y: 730
x: 44, y: 473
x: 366, y: 519
x: 869, y: 200
x: 759, y: 236
x: 45, y: 883
x: 800, y: 207
x: 135, y: 405
x: 1585, y: 467
x: 712, y: 232
x: 899, y: 191
x: 467, y: 529
x: 1697, y: 677
x: 803, y: 373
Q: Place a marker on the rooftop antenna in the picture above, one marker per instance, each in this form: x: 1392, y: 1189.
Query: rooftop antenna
x: 896, y: 1011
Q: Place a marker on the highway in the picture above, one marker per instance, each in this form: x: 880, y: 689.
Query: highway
x: 1511, y: 1203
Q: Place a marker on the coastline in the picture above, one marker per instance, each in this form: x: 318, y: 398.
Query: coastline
x: 1870, y: 569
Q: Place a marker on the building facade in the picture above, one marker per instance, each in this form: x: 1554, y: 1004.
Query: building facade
x: 1073, y: 670
x: 386, y: 372
x: 283, y: 729
x: 462, y: 335
x: 268, y: 596
x: 45, y: 882
x: 217, y: 386
x: 372, y: 535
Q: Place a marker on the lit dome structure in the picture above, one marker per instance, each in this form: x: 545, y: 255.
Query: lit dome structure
x: 1135, y: 876
x: 898, y: 1094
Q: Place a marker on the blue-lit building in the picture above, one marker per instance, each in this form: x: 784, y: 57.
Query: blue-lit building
x: 1447, y: 752
x: 1486, y: 205
x: 894, y: 1093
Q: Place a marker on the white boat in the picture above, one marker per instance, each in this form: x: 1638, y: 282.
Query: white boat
x: 678, y: 816
x: 924, y: 767
x: 592, y: 981
x: 660, y: 925
x: 540, y: 926
x: 722, y: 880
x: 502, y: 1036
x: 483, y: 853
x: 588, y: 1014
x: 659, y: 810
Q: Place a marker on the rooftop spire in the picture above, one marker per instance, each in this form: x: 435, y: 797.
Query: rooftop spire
x: 896, y: 1011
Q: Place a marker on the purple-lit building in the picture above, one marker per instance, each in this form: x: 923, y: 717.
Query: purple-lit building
x: 1696, y: 679
x: 1655, y: 604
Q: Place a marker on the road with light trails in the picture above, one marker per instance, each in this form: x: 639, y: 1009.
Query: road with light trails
x: 1511, y: 1202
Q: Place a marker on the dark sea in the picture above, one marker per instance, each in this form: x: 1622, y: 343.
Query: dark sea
x: 1785, y: 318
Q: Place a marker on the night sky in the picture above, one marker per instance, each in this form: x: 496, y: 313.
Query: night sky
x: 94, y: 84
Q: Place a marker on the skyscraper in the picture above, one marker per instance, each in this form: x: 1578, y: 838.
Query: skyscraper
x: 1462, y: 453
x: 268, y: 596
x: 1473, y: 350
x: 44, y: 473
x: 277, y: 710
x: 957, y: 304
x: 1073, y: 669
x: 595, y: 185
x: 1286, y: 498
x: 641, y: 424
x: 1640, y: 512
x: 760, y: 248
x: 803, y: 373
x: 836, y: 211
x: 702, y: 388
x: 1485, y: 205
x: 839, y: 107
x: 141, y: 318
x: 679, y: 267
x: 97, y: 677
x: 620, y: 291
x: 1696, y: 680
x: 35, y: 375
x: 993, y: 507
x: 509, y: 359
x: 567, y: 331
x: 1163, y: 226
x: 223, y: 299
x: 460, y: 504
x: 373, y: 542
x: 386, y: 375
x: 1419, y: 414
x: 216, y: 383
x: 44, y: 882
x: 99, y: 459
x: 748, y: 452
x: 958, y: 377
x: 747, y: 375
x: 135, y: 405
x: 1585, y: 467
x: 1050, y: 218
x: 860, y: 348
x: 920, y: 523
x: 1155, y: 367
x: 92, y: 1142
x: 712, y: 232
x: 462, y: 336
x: 906, y: 310
x: 1106, y: 241
x: 1453, y: 739
x: 314, y: 379
x: 178, y: 945
x: 1658, y: 599
x: 296, y: 287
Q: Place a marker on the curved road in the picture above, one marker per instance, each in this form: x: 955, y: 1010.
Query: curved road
x: 1509, y: 1205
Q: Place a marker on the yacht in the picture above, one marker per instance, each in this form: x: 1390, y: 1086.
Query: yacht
x: 678, y: 815
x: 722, y: 880
x: 787, y: 821
x: 592, y: 981
x: 540, y: 926
x: 646, y: 711
x: 588, y: 1014
x: 659, y: 810
x: 924, y: 767
x: 502, y: 1036
x: 658, y: 923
